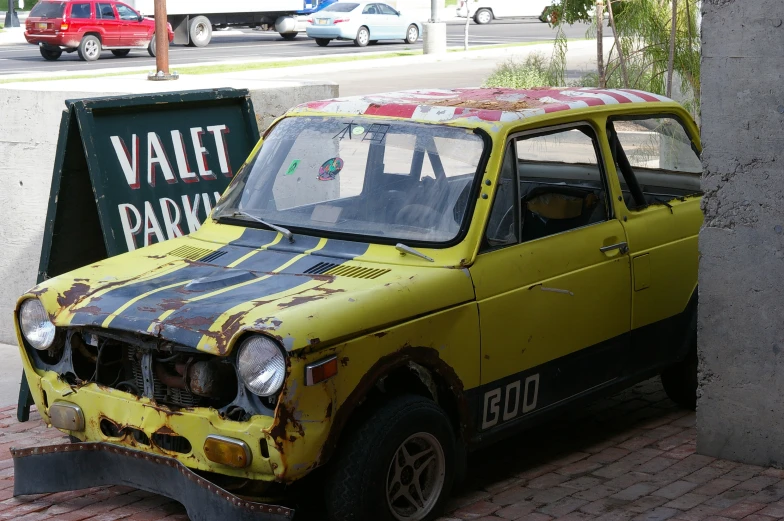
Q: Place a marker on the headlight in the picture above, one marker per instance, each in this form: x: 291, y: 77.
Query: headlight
x: 36, y: 327
x: 261, y: 365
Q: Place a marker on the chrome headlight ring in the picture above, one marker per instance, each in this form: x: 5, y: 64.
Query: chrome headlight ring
x: 36, y: 327
x: 261, y: 365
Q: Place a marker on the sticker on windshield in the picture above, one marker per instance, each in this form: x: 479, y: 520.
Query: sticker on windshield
x: 293, y: 167
x: 330, y: 169
x: 358, y: 131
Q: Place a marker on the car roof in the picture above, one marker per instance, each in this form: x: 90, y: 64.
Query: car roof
x: 477, y: 104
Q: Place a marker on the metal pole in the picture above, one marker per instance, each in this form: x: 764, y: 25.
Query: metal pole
x: 161, y: 38
x: 11, y: 19
x: 433, y: 10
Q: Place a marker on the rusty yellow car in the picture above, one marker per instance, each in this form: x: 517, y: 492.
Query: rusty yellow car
x: 389, y: 282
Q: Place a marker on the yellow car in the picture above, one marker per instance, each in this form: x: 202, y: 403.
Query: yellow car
x: 389, y: 282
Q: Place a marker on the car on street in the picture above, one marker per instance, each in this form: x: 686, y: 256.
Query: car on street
x: 485, y: 11
x: 363, y: 23
x: 89, y: 27
x: 389, y: 282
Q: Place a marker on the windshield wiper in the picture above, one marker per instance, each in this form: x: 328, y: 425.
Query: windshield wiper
x: 280, y: 229
x: 402, y: 248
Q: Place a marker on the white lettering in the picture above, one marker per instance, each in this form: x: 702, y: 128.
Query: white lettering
x: 529, y: 401
x: 151, y: 225
x: 492, y: 399
x: 171, y: 222
x: 191, y: 213
x: 511, y: 411
x: 219, y: 133
x: 493, y: 413
x: 128, y: 161
x: 181, y: 157
x: 130, y: 230
x: 201, y: 154
x: 157, y: 156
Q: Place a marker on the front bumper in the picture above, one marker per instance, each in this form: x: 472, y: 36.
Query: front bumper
x: 79, y: 466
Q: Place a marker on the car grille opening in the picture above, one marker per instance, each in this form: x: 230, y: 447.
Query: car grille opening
x: 172, y: 443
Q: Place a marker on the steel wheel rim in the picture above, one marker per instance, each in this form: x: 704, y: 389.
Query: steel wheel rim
x: 413, y: 34
x: 91, y: 48
x: 416, y: 477
x: 364, y: 36
x: 201, y: 31
x: 484, y: 17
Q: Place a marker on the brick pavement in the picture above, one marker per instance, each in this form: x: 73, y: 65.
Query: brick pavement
x: 628, y: 457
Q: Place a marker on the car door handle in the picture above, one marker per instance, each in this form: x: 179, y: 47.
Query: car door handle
x: 621, y: 246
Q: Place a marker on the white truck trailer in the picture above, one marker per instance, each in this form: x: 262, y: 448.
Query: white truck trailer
x: 194, y: 20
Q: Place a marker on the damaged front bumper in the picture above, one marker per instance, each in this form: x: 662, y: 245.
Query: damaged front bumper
x: 77, y: 466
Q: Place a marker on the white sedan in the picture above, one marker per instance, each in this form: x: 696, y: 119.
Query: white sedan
x: 363, y: 23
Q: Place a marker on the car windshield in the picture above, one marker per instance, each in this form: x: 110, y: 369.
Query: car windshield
x: 48, y: 10
x: 340, y: 7
x: 385, y: 179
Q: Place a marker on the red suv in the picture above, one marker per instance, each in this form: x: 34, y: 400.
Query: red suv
x: 88, y: 27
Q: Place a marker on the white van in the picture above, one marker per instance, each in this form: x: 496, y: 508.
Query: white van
x: 485, y: 11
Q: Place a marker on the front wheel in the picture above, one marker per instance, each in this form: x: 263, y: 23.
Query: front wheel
x: 412, y: 34
x: 398, y: 465
x: 121, y: 53
x: 483, y: 16
x: 680, y: 380
x: 50, y: 54
x: 200, y: 31
x: 363, y: 37
x: 89, y: 48
x: 322, y: 42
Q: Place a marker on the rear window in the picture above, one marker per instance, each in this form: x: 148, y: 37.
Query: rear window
x: 340, y: 7
x: 48, y: 10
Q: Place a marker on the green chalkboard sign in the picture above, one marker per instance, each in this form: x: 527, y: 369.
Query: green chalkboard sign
x: 136, y: 170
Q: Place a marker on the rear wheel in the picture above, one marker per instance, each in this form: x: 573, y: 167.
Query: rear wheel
x: 412, y: 34
x: 680, y: 380
x: 200, y: 30
x: 288, y: 36
x: 89, y: 48
x: 483, y: 16
x: 397, y: 465
x: 363, y: 37
x: 152, y: 47
x: 322, y: 42
x: 121, y: 53
x: 50, y: 53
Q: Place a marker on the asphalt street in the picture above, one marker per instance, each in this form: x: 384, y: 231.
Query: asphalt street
x: 246, y: 43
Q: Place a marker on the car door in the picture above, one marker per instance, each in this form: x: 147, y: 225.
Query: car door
x: 659, y: 170
x: 133, y: 32
x: 106, y: 18
x: 81, y: 17
x: 552, y: 278
x: 393, y: 21
x: 375, y: 22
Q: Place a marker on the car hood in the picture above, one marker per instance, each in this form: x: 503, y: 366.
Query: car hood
x: 204, y: 296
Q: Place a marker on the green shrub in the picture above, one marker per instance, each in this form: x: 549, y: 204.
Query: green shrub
x: 513, y: 74
x: 28, y: 4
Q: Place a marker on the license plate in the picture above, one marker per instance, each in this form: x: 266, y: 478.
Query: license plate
x: 42, y: 26
x: 322, y: 21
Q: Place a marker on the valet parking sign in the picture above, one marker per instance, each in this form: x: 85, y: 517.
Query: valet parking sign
x: 136, y: 170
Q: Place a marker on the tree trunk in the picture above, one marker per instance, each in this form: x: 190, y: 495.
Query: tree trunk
x: 673, y: 34
x: 465, y: 31
x: 621, y: 57
x: 600, y: 43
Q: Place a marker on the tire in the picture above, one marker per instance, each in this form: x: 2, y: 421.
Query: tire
x: 89, y: 48
x: 412, y: 34
x: 370, y: 458
x: 152, y: 47
x: 50, y: 54
x: 373, y: 42
x: 483, y: 16
x: 322, y: 42
x: 288, y: 36
x: 200, y: 31
x: 680, y: 380
x: 121, y: 53
x: 363, y: 37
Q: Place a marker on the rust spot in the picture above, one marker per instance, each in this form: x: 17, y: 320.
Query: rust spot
x: 227, y: 331
x: 73, y: 295
x: 487, y: 357
x: 93, y: 310
x: 171, y: 304
x: 296, y: 301
x: 328, y: 414
x: 193, y: 323
x: 506, y: 106
x: 344, y: 361
x: 166, y: 431
x: 156, y: 256
x: 315, y: 341
x: 380, y: 334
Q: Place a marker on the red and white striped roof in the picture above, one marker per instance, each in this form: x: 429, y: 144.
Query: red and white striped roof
x: 487, y: 104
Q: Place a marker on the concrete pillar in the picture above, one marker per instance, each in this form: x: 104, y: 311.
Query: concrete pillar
x: 740, y: 412
x: 434, y: 36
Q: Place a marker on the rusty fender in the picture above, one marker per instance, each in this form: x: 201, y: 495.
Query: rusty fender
x: 77, y: 466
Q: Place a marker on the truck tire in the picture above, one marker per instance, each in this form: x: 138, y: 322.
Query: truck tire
x: 152, y: 47
x: 200, y: 31
x: 89, y: 48
x: 288, y: 36
x: 483, y: 16
x: 121, y: 53
x: 406, y: 448
x: 50, y: 53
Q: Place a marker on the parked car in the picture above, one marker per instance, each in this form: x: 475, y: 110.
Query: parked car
x: 389, y: 282
x: 89, y: 27
x: 485, y: 11
x: 363, y: 23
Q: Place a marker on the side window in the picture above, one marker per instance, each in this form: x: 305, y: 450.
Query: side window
x: 561, y: 182
x: 654, y: 159
x: 126, y: 13
x: 370, y: 9
x: 503, y: 225
x: 81, y: 11
x: 105, y: 12
x: 385, y: 9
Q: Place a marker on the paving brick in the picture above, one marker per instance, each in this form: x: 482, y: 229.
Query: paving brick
x: 675, y: 489
x: 705, y: 474
x: 513, y: 495
x: 657, y: 514
x: 758, y: 517
x: 582, y: 483
x: 635, y: 492
x: 774, y: 510
x: 645, y: 504
x: 476, y: 510
x: 516, y: 510
x: 608, y: 455
x: 548, y: 480
x: 595, y: 493
x: 697, y: 513
x: 757, y: 483
x: 656, y: 464
x: 741, y: 510
x: 716, y: 487
x: 603, y: 506
x: 729, y: 498
x: 551, y: 494
x: 616, y: 515
x: 776, y: 473
x: 744, y: 472
x: 687, y: 501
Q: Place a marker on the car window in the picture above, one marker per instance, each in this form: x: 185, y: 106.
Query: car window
x: 385, y: 9
x: 561, y: 182
x: 48, y: 10
x: 126, y: 13
x: 654, y: 154
x: 503, y: 225
x: 340, y: 7
x: 105, y: 12
x: 81, y: 11
x: 370, y: 9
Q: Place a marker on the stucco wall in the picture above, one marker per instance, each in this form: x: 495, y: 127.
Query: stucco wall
x: 29, y: 123
x: 740, y: 412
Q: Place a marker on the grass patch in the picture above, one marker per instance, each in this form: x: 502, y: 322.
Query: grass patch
x: 450, y: 3
x: 28, y: 4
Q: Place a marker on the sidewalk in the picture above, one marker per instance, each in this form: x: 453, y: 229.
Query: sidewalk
x: 629, y: 457
x: 12, y: 36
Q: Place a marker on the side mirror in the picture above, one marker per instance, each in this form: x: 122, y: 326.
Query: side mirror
x: 140, y: 18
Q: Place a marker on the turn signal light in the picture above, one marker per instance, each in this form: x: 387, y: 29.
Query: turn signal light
x: 321, y: 370
x: 66, y: 416
x: 64, y: 27
x: 227, y: 451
